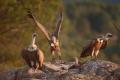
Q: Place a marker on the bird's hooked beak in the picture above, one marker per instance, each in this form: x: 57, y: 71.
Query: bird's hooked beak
x: 34, y: 35
x: 109, y: 35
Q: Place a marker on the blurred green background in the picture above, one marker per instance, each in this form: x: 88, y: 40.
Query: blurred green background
x: 83, y: 20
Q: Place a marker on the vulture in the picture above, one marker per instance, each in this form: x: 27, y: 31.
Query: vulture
x: 94, y: 46
x: 32, y: 55
x: 52, y: 38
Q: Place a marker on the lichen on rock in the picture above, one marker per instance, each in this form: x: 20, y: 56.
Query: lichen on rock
x: 90, y: 70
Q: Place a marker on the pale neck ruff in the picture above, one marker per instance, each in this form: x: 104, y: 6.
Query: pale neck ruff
x: 32, y: 48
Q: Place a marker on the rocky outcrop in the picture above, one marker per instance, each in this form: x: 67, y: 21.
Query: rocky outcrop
x: 90, y: 70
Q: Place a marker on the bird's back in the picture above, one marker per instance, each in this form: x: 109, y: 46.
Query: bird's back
x: 26, y: 54
x: 87, y: 49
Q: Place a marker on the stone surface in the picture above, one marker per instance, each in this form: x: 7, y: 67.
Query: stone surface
x: 90, y: 70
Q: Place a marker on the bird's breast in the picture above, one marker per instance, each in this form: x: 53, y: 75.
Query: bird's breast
x: 98, y: 45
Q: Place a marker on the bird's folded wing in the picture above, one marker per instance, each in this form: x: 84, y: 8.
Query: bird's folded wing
x: 87, y: 48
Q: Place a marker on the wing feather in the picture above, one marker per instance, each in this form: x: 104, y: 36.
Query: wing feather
x: 87, y: 49
x: 58, y: 25
x: 118, y: 29
x: 39, y: 25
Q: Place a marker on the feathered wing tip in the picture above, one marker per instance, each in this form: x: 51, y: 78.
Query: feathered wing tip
x: 39, y: 25
x: 61, y: 15
x: 117, y: 28
x: 30, y: 15
x: 58, y: 25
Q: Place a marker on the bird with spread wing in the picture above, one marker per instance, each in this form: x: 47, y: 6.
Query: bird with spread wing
x: 52, y: 38
x: 94, y: 46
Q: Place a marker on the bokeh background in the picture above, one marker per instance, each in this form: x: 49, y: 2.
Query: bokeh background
x: 83, y: 20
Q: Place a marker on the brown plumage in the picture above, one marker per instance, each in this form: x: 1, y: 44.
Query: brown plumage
x: 92, y: 49
x: 95, y: 45
x: 36, y: 57
x: 104, y: 44
x: 52, y: 38
x: 33, y: 56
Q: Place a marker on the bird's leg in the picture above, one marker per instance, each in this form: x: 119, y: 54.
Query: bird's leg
x: 92, y: 57
x: 96, y: 54
x: 53, y: 56
x: 92, y: 54
x: 30, y: 70
x: 29, y: 63
x: 37, y: 66
x: 34, y: 64
x: 59, y: 55
x: 40, y: 66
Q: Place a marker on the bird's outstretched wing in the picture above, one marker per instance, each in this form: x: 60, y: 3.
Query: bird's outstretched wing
x: 58, y: 25
x: 39, y: 25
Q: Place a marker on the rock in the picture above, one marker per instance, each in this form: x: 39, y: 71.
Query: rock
x: 98, y: 67
x: 91, y: 70
x: 115, y: 75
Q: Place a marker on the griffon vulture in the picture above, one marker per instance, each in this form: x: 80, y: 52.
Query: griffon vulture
x: 33, y: 56
x: 95, y: 45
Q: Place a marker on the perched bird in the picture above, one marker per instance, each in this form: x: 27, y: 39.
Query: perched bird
x: 52, y: 38
x: 33, y: 56
x: 94, y: 46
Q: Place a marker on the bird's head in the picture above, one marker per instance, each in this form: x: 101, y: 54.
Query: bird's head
x: 34, y: 35
x: 108, y: 35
